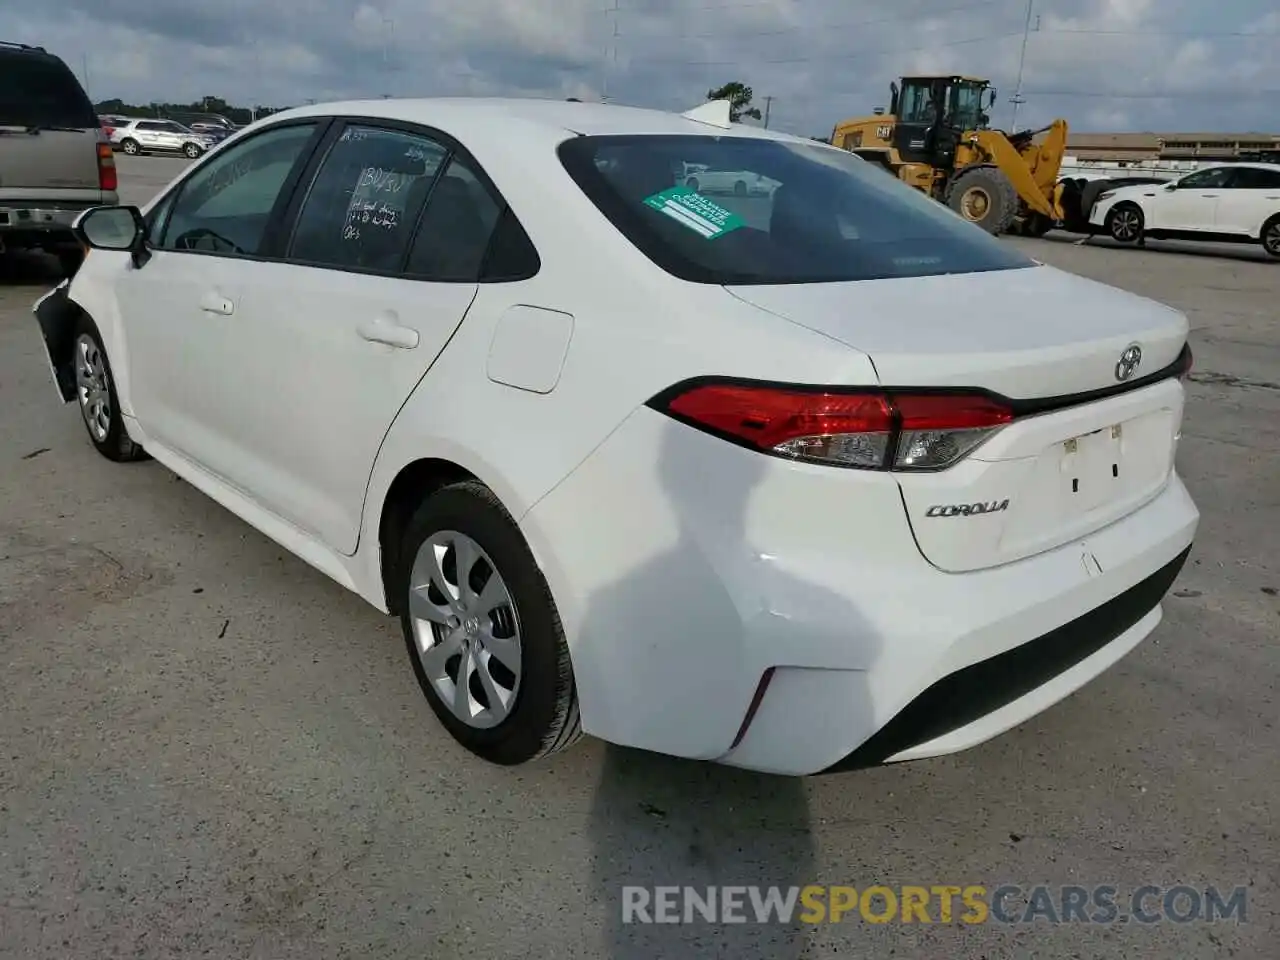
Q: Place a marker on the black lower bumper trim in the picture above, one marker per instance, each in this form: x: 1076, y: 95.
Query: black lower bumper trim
x: 962, y: 697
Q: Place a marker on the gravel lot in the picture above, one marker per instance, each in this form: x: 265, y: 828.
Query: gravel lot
x: 210, y: 749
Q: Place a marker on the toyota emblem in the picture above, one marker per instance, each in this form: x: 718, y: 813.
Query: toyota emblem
x: 1128, y: 363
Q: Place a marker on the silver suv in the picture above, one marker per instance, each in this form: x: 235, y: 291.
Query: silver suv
x: 55, y: 162
x: 160, y: 136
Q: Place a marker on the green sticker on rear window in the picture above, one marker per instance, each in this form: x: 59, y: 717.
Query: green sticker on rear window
x: 695, y: 211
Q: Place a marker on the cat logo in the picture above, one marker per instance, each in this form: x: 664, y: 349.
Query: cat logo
x: 884, y: 131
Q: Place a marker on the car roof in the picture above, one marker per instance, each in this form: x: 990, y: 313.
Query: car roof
x: 461, y: 116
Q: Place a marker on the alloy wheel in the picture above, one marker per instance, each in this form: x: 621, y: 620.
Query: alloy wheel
x: 1125, y: 224
x: 466, y: 629
x: 92, y: 387
x: 1271, y: 241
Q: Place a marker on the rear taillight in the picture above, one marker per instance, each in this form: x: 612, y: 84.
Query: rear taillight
x: 108, y: 179
x: 866, y: 429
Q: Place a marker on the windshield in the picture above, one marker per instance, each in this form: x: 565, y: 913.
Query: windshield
x: 40, y: 90
x: 966, y: 106
x: 803, y: 214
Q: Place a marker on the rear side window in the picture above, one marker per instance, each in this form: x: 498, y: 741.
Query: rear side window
x: 364, y: 202
x: 746, y: 210
x: 1256, y: 178
x: 38, y: 89
x: 456, y: 228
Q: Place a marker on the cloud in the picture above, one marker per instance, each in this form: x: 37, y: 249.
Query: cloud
x: 1119, y: 64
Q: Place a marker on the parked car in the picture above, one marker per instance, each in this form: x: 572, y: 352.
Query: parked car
x: 1227, y: 203
x: 215, y: 132
x: 54, y: 162
x: 706, y: 179
x: 141, y: 136
x: 623, y: 464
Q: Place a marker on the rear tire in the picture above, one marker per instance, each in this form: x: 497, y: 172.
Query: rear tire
x: 740, y: 189
x: 96, y: 396
x: 1271, y: 237
x: 1125, y: 223
x: 484, y: 631
x: 131, y: 146
x: 985, y: 197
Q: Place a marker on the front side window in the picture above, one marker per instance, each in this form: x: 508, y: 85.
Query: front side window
x: 226, y: 205
x: 916, y: 105
x: 814, y: 213
x: 363, y: 205
x: 1206, y: 179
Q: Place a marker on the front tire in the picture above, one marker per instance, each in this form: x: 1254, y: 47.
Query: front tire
x: 482, y: 630
x: 192, y: 151
x: 985, y: 197
x: 693, y: 184
x: 131, y: 147
x: 1125, y: 223
x: 97, y: 399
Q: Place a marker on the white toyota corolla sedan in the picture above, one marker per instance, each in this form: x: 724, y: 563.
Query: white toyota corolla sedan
x: 798, y: 482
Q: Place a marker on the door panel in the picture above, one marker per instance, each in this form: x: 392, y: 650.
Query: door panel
x: 1193, y: 204
x: 342, y: 336
x: 1253, y: 195
x: 331, y: 358
x: 183, y: 312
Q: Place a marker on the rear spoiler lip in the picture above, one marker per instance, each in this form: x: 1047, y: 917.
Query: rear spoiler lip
x: 1020, y: 407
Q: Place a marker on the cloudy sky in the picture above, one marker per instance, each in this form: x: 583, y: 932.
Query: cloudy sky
x: 1102, y: 64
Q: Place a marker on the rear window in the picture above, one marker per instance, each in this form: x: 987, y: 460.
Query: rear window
x: 743, y: 210
x: 38, y: 89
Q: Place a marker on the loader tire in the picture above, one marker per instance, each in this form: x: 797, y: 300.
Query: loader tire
x: 984, y: 196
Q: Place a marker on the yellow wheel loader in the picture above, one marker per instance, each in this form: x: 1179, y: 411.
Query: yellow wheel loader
x: 937, y: 138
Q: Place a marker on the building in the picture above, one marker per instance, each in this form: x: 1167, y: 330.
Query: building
x: 1140, y: 147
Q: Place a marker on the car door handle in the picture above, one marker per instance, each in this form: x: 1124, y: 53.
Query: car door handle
x: 1209, y: 196
x: 384, y: 330
x: 216, y: 303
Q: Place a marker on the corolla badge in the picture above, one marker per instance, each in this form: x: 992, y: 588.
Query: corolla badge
x: 1128, y: 363
x: 966, y: 509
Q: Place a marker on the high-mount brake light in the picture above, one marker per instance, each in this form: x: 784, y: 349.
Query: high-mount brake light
x: 866, y: 429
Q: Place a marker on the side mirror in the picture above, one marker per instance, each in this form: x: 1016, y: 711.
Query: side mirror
x: 1171, y: 186
x: 991, y: 97
x: 114, y: 228
x: 893, y: 98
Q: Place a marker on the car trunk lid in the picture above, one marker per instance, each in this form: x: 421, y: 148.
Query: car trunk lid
x: 1086, y: 446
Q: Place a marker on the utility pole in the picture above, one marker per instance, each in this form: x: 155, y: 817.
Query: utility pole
x: 389, y: 26
x: 610, y: 54
x: 84, y: 62
x: 1017, y: 99
x: 768, y: 102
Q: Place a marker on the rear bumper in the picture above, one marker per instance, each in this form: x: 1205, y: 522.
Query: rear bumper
x: 687, y: 570
x: 32, y: 223
x: 979, y: 701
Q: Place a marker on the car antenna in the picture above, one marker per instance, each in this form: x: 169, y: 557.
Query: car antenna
x: 714, y: 113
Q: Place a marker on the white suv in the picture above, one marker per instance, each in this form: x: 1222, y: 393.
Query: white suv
x: 160, y: 136
x: 1232, y: 203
